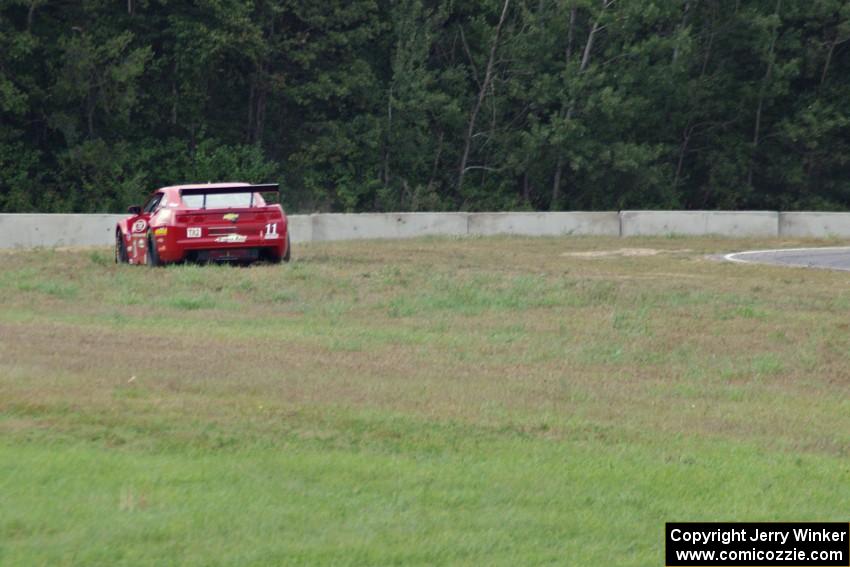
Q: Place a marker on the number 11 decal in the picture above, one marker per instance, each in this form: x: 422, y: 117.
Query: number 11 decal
x: 271, y: 230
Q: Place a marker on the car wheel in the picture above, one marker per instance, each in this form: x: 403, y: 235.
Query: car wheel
x: 120, y: 248
x: 151, y: 257
x: 273, y: 258
x: 288, y: 249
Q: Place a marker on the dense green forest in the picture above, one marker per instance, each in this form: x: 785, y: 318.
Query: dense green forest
x: 361, y: 105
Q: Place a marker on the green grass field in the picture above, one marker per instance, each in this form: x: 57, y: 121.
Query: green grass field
x: 494, y: 401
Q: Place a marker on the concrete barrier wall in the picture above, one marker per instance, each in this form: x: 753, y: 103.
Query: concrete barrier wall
x: 387, y: 225
x: 698, y: 223
x: 300, y: 228
x: 545, y: 224
x: 29, y: 230
x: 814, y: 225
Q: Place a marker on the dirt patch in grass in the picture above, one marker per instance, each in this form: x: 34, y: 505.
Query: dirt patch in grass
x: 627, y: 252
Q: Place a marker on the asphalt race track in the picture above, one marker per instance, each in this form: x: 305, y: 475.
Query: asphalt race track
x: 830, y: 258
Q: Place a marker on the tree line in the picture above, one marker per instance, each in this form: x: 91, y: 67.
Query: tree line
x: 362, y: 105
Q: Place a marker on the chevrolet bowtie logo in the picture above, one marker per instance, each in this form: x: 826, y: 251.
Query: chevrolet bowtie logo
x: 232, y: 217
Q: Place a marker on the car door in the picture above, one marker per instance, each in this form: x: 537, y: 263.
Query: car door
x: 139, y: 230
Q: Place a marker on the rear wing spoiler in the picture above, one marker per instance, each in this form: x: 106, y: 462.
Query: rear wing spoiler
x: 265, y: 188
x: 218, y: 190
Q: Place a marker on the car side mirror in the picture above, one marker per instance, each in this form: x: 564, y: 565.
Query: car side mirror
x: 134, y: 209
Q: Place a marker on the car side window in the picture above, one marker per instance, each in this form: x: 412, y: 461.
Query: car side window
x: 151, y: 206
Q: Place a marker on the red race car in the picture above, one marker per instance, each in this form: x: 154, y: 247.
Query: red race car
x: 216, y: 222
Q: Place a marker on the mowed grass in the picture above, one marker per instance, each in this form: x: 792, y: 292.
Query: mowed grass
x: 496, y: 401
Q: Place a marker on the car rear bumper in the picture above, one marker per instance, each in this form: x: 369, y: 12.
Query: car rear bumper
x: 213, y: 249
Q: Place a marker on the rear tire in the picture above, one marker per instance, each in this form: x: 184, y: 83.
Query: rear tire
x: 288, y: 249
x: 151, y: 257
x: 273, y: 258
x: 120, y: 249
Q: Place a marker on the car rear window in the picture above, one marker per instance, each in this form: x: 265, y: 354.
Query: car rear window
x: 221, y: 201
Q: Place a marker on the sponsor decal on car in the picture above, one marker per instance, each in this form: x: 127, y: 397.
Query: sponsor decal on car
x: 140, y: 225
x: 193, y: 232
x: 232, y: 217
x: 161, y: 231
x: 232, y: 238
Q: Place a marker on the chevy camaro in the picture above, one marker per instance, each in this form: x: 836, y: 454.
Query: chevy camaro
x: 216, y: 222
